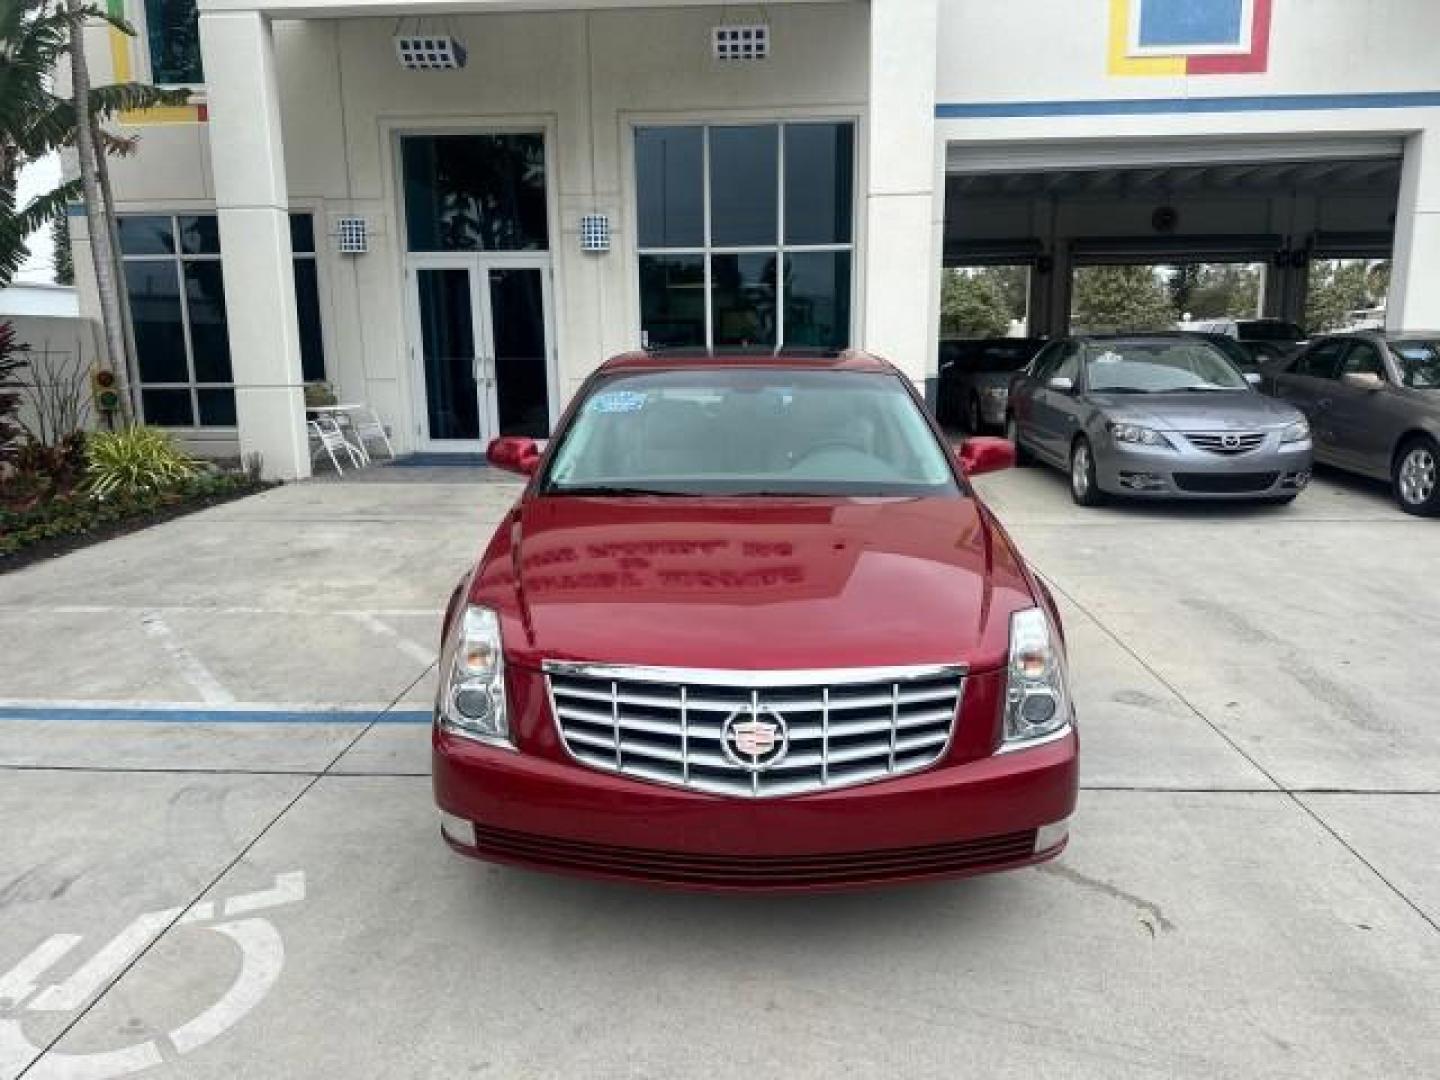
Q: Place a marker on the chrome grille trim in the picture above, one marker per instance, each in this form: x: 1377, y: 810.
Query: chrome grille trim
x: 844, y: 726
x: 1214, y: 441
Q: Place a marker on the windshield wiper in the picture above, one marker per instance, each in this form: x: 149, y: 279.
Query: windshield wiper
x: 1207, y: 389
x: 614, y: 489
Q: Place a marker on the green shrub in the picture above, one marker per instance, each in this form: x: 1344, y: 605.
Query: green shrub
x: 135, y: 461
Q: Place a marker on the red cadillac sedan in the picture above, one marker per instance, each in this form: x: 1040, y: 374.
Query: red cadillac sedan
x: 749, y: 627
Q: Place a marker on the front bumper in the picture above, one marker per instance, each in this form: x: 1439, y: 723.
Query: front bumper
x: 994, y: 813
x: 1271, y: 472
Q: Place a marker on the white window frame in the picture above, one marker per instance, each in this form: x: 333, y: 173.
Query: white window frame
x: 780, y: 248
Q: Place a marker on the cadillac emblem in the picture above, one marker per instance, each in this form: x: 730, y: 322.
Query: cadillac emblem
x: 756, y: 740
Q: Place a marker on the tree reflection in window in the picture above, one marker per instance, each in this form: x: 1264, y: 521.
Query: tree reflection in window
x: 172, y: 28
x: 475, y: 192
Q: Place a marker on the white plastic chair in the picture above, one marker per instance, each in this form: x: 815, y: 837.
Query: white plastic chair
x: 327, y: 433
x: 365, y: 423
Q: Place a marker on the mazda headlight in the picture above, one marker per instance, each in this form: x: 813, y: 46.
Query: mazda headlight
x: 1296, y: 432
x: 1037, y: 703
x: 1137, y: 435
x: 472, y: 678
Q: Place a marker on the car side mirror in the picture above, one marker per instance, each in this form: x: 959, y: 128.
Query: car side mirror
x: 1363, y: 380
x: 985, y: 453
x: 514, y: 453
x: 1254, y: 378
x: 1061, y: 383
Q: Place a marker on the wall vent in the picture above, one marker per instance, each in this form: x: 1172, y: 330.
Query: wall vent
x: 740, y: 42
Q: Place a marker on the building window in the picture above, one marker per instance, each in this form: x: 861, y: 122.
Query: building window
x: 475, y: 192
x: 745, y: 234
x: 172, y: 30
x: 175, y: 284
x: 307, y: 297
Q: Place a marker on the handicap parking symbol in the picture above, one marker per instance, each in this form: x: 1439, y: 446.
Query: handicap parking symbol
x: 262, y: 955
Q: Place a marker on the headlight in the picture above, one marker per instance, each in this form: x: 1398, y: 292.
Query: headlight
x: 1296, y: 432
x: 1037, y: 703
x: 472, y: 678
x: 1142, y: 436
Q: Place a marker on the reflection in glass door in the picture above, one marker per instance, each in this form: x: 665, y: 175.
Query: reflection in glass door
x: 484, y: 331
x: 447, y: 344
x: 519, y: 394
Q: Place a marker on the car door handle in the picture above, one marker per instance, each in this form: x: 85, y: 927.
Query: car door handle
x: 1323, y: 403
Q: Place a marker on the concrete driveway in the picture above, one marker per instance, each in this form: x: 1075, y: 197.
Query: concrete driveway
x: 218, y: 855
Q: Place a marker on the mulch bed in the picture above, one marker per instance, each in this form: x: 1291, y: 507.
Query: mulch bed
x: 54, y: 546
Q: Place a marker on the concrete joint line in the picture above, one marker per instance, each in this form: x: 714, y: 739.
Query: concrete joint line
x: 1289, y: 793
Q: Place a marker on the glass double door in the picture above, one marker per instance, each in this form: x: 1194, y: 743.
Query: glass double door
x: 483, y: 332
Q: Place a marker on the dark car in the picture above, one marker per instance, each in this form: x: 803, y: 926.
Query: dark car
x: 1373, y: 400
x: 975, y: 378
x: 1156, y: 416
x: 749, y: 627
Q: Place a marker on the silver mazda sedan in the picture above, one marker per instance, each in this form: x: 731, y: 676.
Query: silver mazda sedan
x: 1164, y: 416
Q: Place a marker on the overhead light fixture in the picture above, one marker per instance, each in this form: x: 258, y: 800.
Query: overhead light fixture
x: 740, y: 41
x: 424, y: 50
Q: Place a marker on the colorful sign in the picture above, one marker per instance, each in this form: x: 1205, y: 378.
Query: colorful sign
x: 1189, y: 37
x: 120, y: 70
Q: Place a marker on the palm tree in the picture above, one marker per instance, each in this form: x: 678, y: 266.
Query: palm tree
x: 35, y: 38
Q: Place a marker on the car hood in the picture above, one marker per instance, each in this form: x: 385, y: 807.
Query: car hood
x: 727, y: 583
x: 1218, y: 411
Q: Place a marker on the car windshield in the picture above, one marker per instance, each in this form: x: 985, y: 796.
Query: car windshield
x: 1240, y: 354
x: 1159, y: 367
x: 1268, y: 330
x: 992, y: 357
x: 749, y: 431
x: 1419, y: 363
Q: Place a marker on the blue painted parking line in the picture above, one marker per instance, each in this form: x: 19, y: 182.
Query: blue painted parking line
x: 189, y: 715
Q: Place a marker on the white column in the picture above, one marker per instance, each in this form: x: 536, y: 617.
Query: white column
x: 902, y: 259
x: 252, y: 201
x: 1415, y: 278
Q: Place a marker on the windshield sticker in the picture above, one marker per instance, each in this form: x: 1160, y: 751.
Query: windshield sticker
x: 617, y: 401
x: 1109, y: 357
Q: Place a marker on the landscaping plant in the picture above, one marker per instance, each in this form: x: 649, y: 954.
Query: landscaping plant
x: 135, y: 461
x: 11, y: 361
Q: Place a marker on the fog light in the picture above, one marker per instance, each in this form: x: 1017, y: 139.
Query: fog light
x: 1051, y: 836
x: 1142, y: 481
x: 457, y: 829
x: 474, y: 702
x: 1037, y: 709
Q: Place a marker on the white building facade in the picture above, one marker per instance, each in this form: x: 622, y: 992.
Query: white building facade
x: 461, y: 246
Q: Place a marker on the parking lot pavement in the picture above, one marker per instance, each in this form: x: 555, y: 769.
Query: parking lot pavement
x: 218, y: 855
